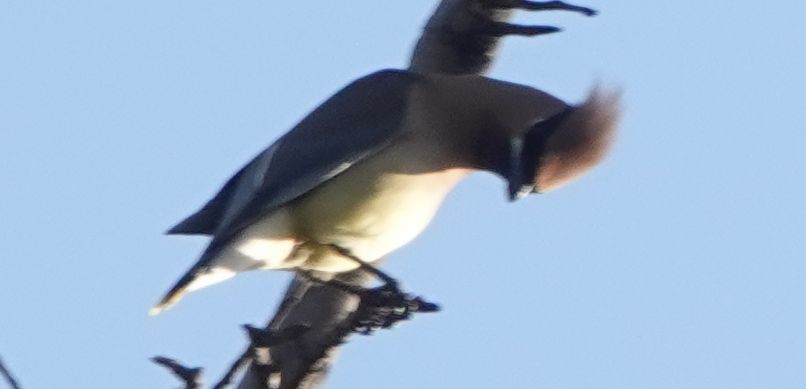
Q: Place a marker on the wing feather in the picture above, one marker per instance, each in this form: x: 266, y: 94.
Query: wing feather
x: 357, y: 122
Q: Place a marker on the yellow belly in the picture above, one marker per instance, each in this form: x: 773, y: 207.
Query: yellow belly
x: 371, y: 210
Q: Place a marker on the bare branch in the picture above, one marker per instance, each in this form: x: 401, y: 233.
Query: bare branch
x: 454, y: 40
x: 302, y: 362
x: 307, y: 357
x: 190, y: 376
x: 462, y: 35
x: 236, y: 366
x: 6, y: 373
x: 541, y: 6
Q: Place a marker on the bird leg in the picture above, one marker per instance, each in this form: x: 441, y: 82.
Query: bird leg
x: 379, y: 307
x: 387, y: 279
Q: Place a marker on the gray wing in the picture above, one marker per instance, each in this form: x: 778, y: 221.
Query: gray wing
x: 205, y: 220
x: 355, y: 123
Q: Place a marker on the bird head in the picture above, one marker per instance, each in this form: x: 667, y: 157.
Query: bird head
x: 562, y: 147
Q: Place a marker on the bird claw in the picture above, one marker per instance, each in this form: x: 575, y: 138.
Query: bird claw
x: 385, y: 306
x: 379, y: 307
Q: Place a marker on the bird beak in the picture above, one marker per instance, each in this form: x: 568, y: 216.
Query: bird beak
x: 526, y: 154
x: 517, y: 192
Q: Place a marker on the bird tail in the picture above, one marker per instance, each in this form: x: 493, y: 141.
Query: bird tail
x: 174, y: 295
x: 192, y: 280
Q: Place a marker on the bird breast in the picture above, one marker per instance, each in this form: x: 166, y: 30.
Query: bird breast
x: 371, y: 209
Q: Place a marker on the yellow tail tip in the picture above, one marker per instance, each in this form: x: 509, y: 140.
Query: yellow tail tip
x: 173, y: 296
x: 155, y: 311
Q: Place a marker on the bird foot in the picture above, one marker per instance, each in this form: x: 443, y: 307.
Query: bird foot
x: 386, y: 305
x: 379, y: 307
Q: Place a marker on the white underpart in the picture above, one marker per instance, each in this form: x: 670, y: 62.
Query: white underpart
x: 214, y: 276
x: 371, y: 214
x: 262, y: 249
x: 264, y: 244
x: 364, y: 210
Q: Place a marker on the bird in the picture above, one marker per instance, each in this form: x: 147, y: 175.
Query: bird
x: 367, y: 170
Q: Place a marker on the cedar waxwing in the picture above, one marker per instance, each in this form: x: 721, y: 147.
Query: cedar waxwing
x: 367, y: 170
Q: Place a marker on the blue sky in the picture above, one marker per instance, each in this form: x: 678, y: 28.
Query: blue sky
x: 679, y: 263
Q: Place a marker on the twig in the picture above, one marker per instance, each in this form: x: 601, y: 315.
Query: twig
x: 541, y: 6
x: 239, y: 363
x: 12, y: 382
x: 190, y: 376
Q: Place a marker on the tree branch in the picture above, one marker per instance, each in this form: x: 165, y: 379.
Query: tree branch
x: 321, y: 308
x: 461, y: 37
x: 12, y: 382
x: 190, y: 376
x: 456, y: 40
x: 239, y: 363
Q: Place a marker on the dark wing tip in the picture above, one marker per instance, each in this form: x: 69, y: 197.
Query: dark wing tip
x: 200, y: 223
